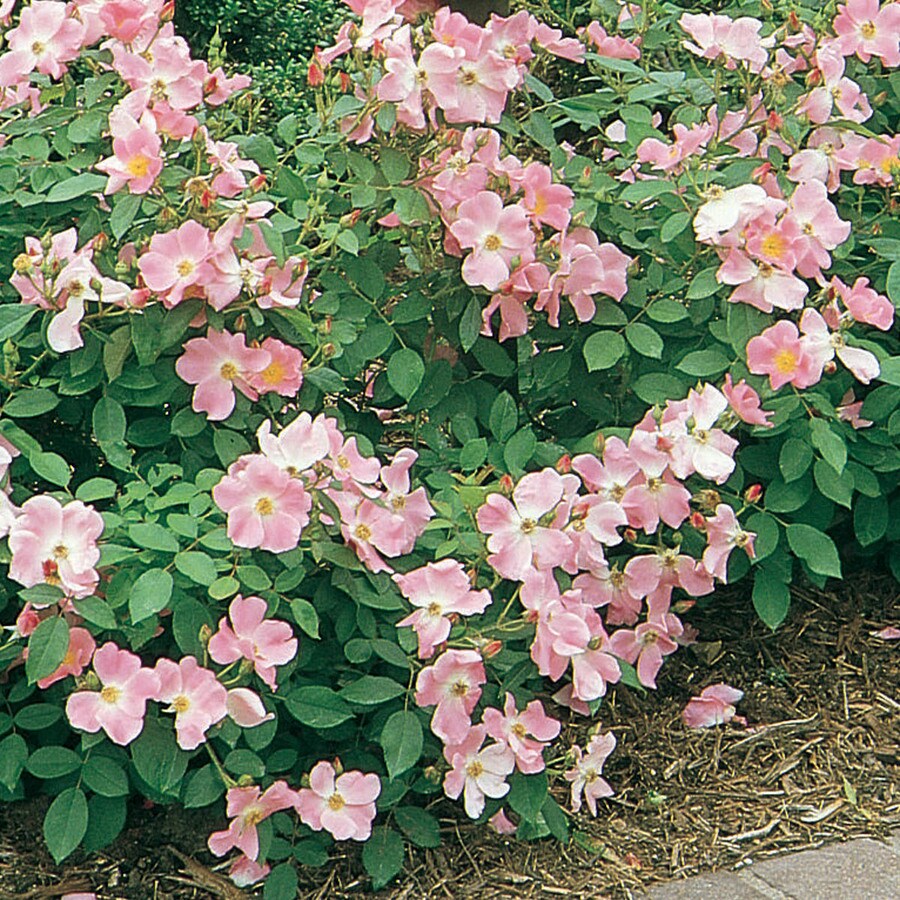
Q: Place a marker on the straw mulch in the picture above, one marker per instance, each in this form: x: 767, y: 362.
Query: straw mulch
x: 819, y: 762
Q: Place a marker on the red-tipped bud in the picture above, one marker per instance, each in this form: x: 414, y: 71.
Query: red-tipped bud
x: 491, y: 648
x: 599, y: 443
x: 794, y: 22
x: 753, y: 493
x: 830, y: 367
x: 682, y: 606
x: 630, y: 535
x: 345, y: 82
x: 168, y: 12
x: 774, y: 121
x: 506, y: 484
x: 698, y: 521
x: 564, y: 464
x: 258, y: 182
x: 315, y: 77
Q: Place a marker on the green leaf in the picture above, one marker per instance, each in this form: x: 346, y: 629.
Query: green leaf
x: 96, y: 611
x: 767, y: 532
x: 402, y: 741
x: 150, y: 594
x: 125, y: 209
x: 229, y: 445
x: 151, y: 536
x: 603, y: 350
x: 13, y: 318
x: 158, y: 759
x: 815, y: 548
x: 51, y: 467
x: 405, y: 372
x: 519, y: 449
x: 34, y: 402
x: 833, y: 485
x: 371, y: 690
x: 470, y: 324
x: 420, y: 827
x: 105, y: 776
x: 106, y: 819
x: 645, y: 190
x: 13, y: 755
x: 306, y: 617
x: 473, y: 454
x: 383, y: 856
x: 281, y: 883
x: 188, y: 618
x: 504, y: 416
x: 394, y: 165
x: 53, y: 762
x: 78, y: 186
x: 96, y: 489
x: 871, y: 517
x: 704, y: 363
x: 893, y: 283
x: 527, y: 794
x: 829, y: 444
x: 703, y: 284
x: 116, y: 351
x: 197, y: 566
x: 674, y: 225
x: 795, y: 459
x: 109, y: 420
x: 318, y: 707
x: 66, y: 822
x: 771, y: 597
x: 47, y: 647
x: 538, y: 127
x: 203, y: 788
x: 38, y: 716
x: 644, y: 339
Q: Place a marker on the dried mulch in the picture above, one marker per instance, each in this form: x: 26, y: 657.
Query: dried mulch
x: 819, y: 762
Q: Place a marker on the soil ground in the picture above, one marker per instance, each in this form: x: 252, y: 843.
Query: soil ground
x: 819, y: 762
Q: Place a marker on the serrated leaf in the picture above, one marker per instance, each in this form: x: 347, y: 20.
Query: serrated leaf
x: 603, y: 350
x: 306, y: 617
x: 383, y: 856
x: 420, y: 827
x: 402, y: 742
x: 65, y: 823
x: 815, y: 548
x: 405, y: 372
x: 644, y: 339
x: 47, y: 647
x: 371, y: 690
x: 771, y: 597
x: 504, y: 416
x: 318, y: 707
x: 150, y: 594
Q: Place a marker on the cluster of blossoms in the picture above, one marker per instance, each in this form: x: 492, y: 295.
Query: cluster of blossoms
x: 268, y: 496
x: 567, y: 521
x: 497, y: 208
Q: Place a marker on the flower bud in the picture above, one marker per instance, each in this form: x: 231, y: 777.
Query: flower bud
x: 345, y: 83
x: 698, y: 521
x: 315, y: 77
x: 753, y: 493
x: 245, y: 781
x: 167, y: 13
x: 506, y: 484
x: 830, y: 367
x: 708, y: 499
x: 599, y: 442
x: 258, y: 182
x: 491, y: 648
x: 432, y: 774
x: 564, y: 464
x: 23, y: 263
x: 328, y: 350
x: 630, y: 535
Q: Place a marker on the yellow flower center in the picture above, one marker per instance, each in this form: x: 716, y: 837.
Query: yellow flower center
x: 336, y: 801
x: 60, y: 551
x: 363, y: 532
x: 181, y: 704
x: 23, y: 263
x: 459, y: 689
x: 867, y: 30
x: 434, y: 609
x: 229, y: 371
x: 253, y: 816
x: 519, y: 730
x: 468, y: 76
x: 785, y: 361
x: 773, y: 245
x: 528, y: 525
x: 264, y: 506
x: 185, y: 267
x: 398, y: 502
x: 343, y: 462
x: 493, y: 243
x: 617, y: 578
x: 76, y: 288
x: 110, y: 694
x: 273, y: 373
x: 37, y: 48
x: 138, y: 167
x: 474, y: 769
x: 890, y: 165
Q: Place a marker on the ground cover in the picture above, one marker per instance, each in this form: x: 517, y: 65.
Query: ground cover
x: 820, y: 762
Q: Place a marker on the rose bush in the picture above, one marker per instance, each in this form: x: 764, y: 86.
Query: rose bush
x: 327, y: 451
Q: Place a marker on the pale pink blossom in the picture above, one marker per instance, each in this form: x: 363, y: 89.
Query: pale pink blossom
x: 585, y: 775
x: 299, y: 446
x: 822, y: 345
x: 411, y: 507
x: 440, y: 590
x: 761, y: 284
x: 645, y: 648
x: 453, y: 686
x: 196, y: 697
x: 177, y: 264
x: 496, y: 234
x: 889, y: 633
x: 501, y: 823
x: 611, y: 46
x: 118, y: 707
x: 370, y: 529
x: 714, y: 706
x: 477, y: 773
x: 547, y: 203
x: 217, y: 364
x: 55, y: 544
x: 136, y: 160
x: 247, y: 807
x: 245, y: 872
x: 746, y: 402
x: 779, y: 353
x: 526, y: 733
x: 77, y: 658
x: 517, y: 540
x: 47, y: 37
x: 343, y: 806
x: 737, y: 40
x: 725, y: 210
x: 868, y: 29
x: 284, y: 373
x: 267, y: 643
x: 246, y: 709
x: 850, y: 409
x: 723, y: 534
x: 865, y: 304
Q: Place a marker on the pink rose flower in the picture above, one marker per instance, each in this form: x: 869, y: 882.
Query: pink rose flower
x: 714, y: 706
x: 118, y: 707
x: 343, y: 806
x: 77, y: 658
x: 196, y: 697
x: 585, y: 775
x: 267, y: 643
x: 247, y: 807
x: 477, y: 773
x: 453, y: 686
